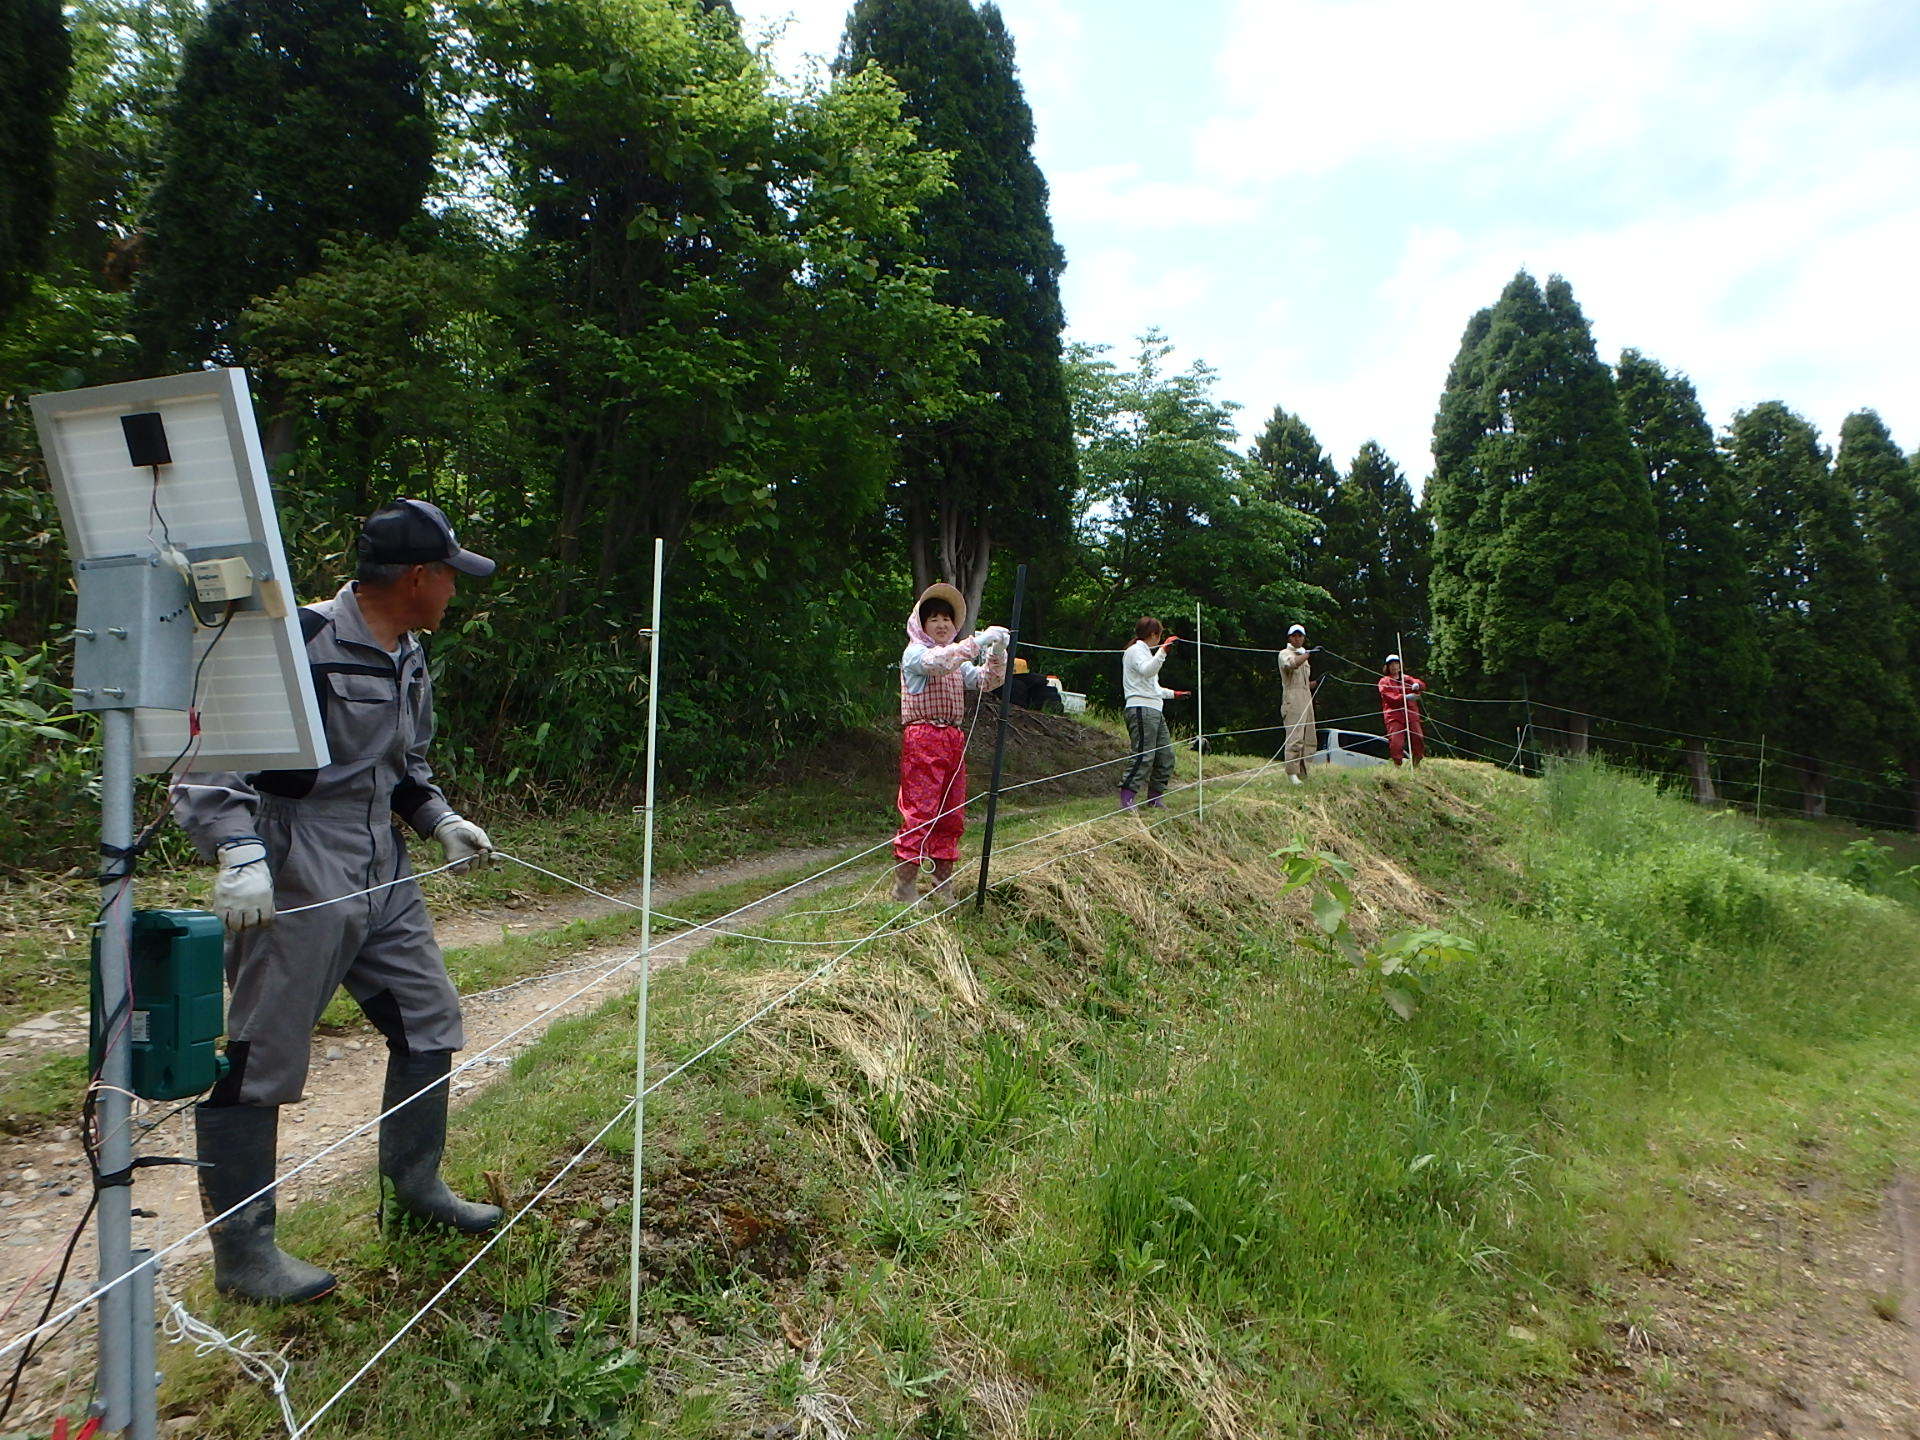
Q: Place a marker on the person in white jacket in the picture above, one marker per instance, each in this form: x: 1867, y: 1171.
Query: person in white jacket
x: 1146, y: 721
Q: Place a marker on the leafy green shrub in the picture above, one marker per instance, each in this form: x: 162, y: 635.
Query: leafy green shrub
x: 47, y: 762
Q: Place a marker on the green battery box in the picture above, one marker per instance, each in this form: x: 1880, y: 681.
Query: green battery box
x: 178, y: 1003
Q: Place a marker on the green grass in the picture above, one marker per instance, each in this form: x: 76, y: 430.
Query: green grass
x: 1123, y: 1158
x: 43, y: 921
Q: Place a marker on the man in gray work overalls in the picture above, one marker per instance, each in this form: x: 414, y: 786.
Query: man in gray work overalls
x: 290, y: 838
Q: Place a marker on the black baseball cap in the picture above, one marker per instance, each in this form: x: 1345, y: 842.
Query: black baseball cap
x: 412, y: 532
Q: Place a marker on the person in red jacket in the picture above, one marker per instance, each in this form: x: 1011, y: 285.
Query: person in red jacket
x: 1400, y: 708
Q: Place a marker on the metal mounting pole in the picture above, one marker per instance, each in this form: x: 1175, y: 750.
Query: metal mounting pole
x: 145, y: 1379
x: 646, y: 952
x: 1000, y: 739
x: 113, y: 1104
x: 1199, y: 712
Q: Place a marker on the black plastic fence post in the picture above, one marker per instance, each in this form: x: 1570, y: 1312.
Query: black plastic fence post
x: 1000, y: 739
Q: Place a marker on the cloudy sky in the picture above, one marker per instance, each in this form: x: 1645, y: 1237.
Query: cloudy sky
x: 1315, y: 195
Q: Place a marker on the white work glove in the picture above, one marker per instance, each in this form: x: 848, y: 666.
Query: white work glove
x: 993, y: 639
x: 243, y: 892
x: 462, y: 840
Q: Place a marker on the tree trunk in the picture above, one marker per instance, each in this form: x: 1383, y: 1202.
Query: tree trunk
x: 1913, y: 790
x: 1576, y: 736
x: 918, y: 554
x: 975, y: 584
x: 1703, y: 792
x: 1813, y: 789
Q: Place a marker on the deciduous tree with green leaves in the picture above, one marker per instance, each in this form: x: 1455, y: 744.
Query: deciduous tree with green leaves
x: 998, y: 477
x: 1547, y: 552
x: 1172, y: 514
x: 1719, y: 669
x: 1825, y: 617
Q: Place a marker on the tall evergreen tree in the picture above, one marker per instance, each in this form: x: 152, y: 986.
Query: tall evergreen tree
x: 1824, y: 612
x: 1302, y: 473
x: 35, y: 60
x: 1547, y: 551
x: 1293, y: 470
x: 1886, y: 497
x: 1004, y: 474
x: 1384, y: 540
x: 1719, y: 670
x: 294, y: 122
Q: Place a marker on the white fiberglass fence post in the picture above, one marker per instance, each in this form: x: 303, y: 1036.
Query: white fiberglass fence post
x: 1199, y: 711
x: 646, y: 948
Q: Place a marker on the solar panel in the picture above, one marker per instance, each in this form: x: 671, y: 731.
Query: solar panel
x: 256, y: 699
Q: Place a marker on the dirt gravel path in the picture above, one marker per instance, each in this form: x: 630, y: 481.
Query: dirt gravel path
x: 42, y: 1178
x: 1794, y: 1319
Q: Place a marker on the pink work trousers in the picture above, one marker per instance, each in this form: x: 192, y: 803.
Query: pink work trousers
x: 1398, y: 723
x: 933, y: 785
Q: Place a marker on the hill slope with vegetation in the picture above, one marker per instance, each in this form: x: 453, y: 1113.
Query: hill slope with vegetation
x: 1145, y: 1151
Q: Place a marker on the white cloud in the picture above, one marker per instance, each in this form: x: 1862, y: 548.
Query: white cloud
x: 1122, y: 194
x: 1114, y: 296
x: 1309, y: 86
x: 1726, y: 183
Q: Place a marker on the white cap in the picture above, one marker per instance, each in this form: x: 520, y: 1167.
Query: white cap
x: 1296, y: 630
x: 1391, y: 658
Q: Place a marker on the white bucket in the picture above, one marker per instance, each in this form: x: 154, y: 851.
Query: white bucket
x: 1072, y: 703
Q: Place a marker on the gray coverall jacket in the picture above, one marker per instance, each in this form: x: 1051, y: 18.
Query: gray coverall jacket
x: 330, y: 832
x: 1296, y: 708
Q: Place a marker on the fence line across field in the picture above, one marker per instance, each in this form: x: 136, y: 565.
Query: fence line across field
x: 889, y: 925
x: 1670, y: 776
x: 607, y: 971
x: 681, y: 1068
x: 469, y: 1062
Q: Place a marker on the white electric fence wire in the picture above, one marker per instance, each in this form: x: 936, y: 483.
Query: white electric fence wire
x: 270, y: 1367
x: 262, y: 1367
x: 1666, y: 776
x: 624, y: 903
x: 376, y: 889
x: 766, y: 1009
x: 615, y: 967
x: 477, y: 1058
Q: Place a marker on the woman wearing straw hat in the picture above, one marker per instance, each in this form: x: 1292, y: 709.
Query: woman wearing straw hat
x: 936, y: 670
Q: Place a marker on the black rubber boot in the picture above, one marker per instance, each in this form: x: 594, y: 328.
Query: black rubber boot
x: 237, y: 1145
x: 413, y: 1140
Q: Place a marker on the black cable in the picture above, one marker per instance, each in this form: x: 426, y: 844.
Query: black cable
x: 145, y: 836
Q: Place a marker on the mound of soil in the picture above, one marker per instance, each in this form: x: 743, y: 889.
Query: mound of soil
x: 702, y: 1220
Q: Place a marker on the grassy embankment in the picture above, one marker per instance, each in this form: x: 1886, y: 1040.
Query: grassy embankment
x: 1125, y: 1158
x: 840, y: 794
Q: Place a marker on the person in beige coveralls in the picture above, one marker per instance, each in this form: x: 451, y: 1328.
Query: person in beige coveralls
x: 1296, y: 702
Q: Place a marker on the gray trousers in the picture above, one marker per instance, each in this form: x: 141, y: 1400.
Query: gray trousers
x: 1152, y: 750
x: 379, y: 946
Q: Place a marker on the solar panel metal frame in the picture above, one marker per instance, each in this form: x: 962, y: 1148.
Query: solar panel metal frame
x: 264, y: 649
